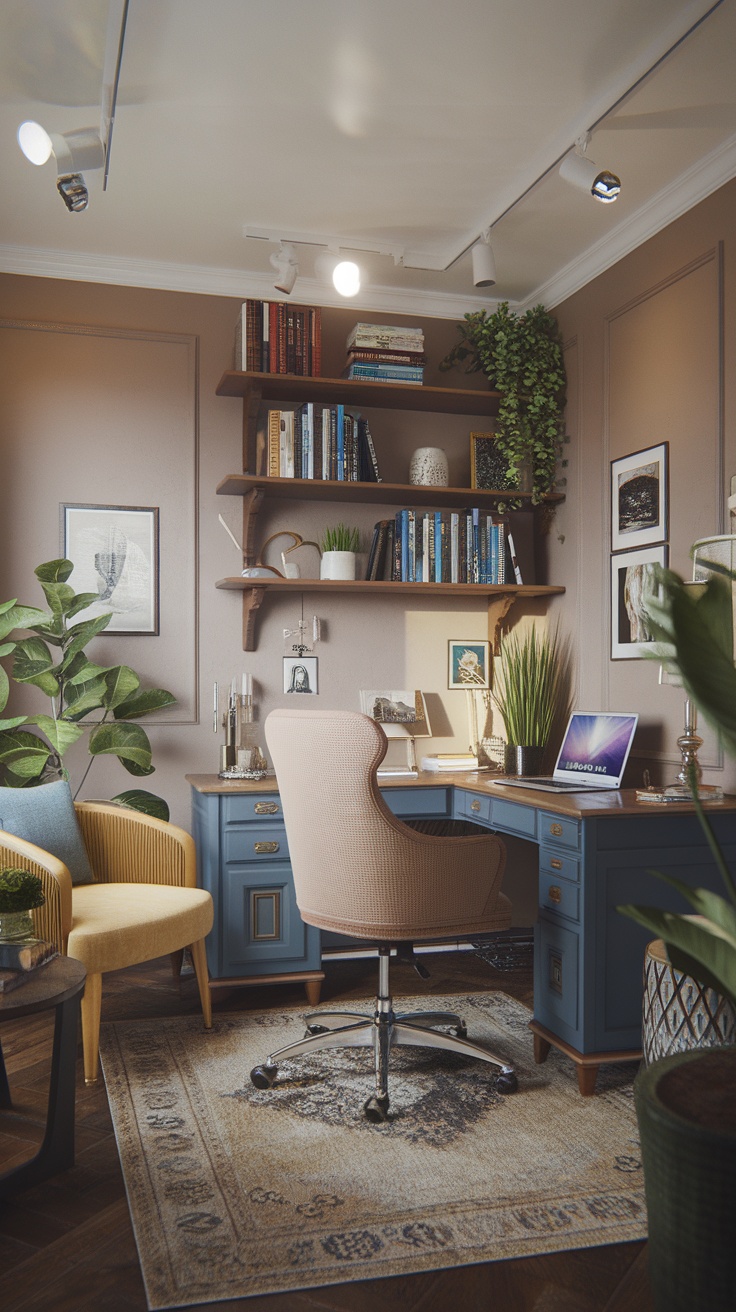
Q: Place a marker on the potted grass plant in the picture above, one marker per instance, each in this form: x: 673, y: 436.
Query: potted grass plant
x: 686, y: 1104
x: 339, y: 546
x: 20, y: 893
x: 533, y: 694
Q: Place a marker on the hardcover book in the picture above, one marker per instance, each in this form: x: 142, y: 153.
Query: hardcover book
x: 27, y: 955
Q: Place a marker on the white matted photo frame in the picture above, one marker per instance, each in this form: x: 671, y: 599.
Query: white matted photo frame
x: 633, y: 580
x: 300, y: 675
x: 115, y: 553
x: 640, y: 498
x: 468, y: 664
x: 402, y: 714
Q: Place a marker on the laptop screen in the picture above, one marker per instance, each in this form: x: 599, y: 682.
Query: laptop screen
x: 595, y: 748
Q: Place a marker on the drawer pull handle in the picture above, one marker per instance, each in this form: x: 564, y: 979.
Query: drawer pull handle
x: 555, y: 893
x: 266, y: 847
x: 555, y: 863
x: 475, y: 804
x: 556, y: 830
x: 266, y: 808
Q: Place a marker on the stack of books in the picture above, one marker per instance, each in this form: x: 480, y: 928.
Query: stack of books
x: 276, y: 337
x: 385, y: 353
x: 19, y: 960
x: 454, y: 761
x: 459, y: 546
x: 321, y: 441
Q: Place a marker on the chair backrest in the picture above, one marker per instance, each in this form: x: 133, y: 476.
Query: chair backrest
x: 358, y: 869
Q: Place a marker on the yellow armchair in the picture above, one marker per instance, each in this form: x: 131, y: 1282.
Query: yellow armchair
x: 143, y: 904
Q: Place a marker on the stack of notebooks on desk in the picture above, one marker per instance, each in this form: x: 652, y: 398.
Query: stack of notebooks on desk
x: 455, y: 761
x: 19, y: 960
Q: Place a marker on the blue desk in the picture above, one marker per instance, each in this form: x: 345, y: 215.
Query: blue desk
x: 595, y: 852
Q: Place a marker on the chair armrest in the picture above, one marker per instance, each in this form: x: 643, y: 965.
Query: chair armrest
x: 53, y: 920
x: 128, y: 847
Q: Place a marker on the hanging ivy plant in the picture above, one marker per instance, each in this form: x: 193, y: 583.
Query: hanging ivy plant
x: 521, y: 354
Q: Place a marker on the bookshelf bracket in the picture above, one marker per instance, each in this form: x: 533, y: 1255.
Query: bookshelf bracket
x: 498, y: 609
x: 252, y: 598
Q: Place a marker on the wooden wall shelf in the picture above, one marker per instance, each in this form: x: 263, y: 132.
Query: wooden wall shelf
x: 253, y: 387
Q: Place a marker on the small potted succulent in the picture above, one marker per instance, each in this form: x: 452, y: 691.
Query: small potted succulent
x: 20, y: 892
x: 339, y: 546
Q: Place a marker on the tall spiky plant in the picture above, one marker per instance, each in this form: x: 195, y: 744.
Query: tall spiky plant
x: 533, y: 677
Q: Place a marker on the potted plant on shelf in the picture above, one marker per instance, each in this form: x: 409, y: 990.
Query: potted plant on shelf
x: 20, y: 892
x: 534, y: 693
x: 521, y: 354
x: 339, y: 546
x: 686, y: 1104
x: 53, y: 659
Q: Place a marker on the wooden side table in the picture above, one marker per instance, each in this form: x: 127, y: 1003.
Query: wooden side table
x: 58, y: 984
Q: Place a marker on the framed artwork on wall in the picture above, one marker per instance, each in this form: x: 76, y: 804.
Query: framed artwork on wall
x: 300, y: 674
x: 115, y: 553
x: 639, y: 498
x: 402, y: 714
x: 488, y: 464
x: 469, y: 664
x: 632, y: 583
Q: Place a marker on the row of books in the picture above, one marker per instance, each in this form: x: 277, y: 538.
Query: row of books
x: 386, y: 353
x: 434, y: 546
x: 277, y: 337
x: 19, y: 960
x: 323, y: 442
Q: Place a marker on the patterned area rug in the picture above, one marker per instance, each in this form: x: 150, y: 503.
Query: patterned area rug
x: 235, y: 1192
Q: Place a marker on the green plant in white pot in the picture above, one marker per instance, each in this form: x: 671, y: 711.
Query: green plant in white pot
x: 686, y: 1104
x: 339, y: 546
x: 534, y: 693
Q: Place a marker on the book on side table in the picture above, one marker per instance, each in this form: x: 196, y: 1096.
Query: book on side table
x: 19, y: 960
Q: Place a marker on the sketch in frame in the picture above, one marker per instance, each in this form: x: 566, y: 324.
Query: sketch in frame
x: 401, y: 714
x: 639, y: 498
x: 488, y: 466
x: 468, y: 664
x: 300, y: 675
x: 633, y: 581
x: 115, y: 553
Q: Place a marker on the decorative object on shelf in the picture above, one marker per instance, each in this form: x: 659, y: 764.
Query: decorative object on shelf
x: 303, y: 643
x: 339, y: 546
x: 400, y: 714
x: 240, y: 755
x: 54, y: 661
x: 521, y: 354
x: 489, y: 470
x: 300, y: 675
x: 469, y: 664
x: 534, y: 692
x: 114, y: 550
x: 639, y: 498
x: 633, y: 584
x: 20, y: 892
x: 428, y: 467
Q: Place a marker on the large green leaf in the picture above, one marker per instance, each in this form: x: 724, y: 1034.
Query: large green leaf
x: 81, y: 698
x: 139, y: 800
x: 78, y: 668
x: 25, y: 754
x: 696, y: 946
x: 54, y: 571
x: 148, y: 700
x: 4, y: 689
x: 59, y: 597
x: 14, y: 616
x: 12, y: 723
x: 127, y: 741
x: 121, y: 682
x: 60, y: 733
x: 83, y: 633
x: 33, y: 663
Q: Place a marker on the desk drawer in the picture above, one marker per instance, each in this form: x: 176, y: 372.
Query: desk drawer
x: 513, y: 818
x: 559, y: 829
x: 559, y: 864
x: 560, y: 896
x: 247, y: 807
x: 255, y: 843
x: 417, y: 801
x: 473, y: 806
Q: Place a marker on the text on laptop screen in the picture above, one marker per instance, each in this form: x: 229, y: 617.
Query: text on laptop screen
x: 596, y: 745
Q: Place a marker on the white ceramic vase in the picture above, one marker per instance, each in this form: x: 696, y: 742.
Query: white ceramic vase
x: 429, y: 468
x: 337, y: 565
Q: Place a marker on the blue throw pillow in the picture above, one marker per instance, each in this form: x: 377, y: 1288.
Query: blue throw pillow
x: 45, y: 816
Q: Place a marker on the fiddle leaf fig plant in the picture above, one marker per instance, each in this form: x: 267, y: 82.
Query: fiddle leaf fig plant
x: 54, y: 660
x: 521, y: 354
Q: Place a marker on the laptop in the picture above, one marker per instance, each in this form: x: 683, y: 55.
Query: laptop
x: 592, y: 757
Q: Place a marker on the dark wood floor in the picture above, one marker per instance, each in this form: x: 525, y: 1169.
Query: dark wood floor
x: 68, y: 1246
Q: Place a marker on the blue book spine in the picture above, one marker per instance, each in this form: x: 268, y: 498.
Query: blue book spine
x: 476, y: 547
x: 437, y: 546
x: 341, y: 443
x: 404, y: 546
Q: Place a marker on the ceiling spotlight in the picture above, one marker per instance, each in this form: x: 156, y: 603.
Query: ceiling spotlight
x: 582, y: 172
x: 346, y: 278
x: 73, y: 151
x: 285, y: 262
x: 484, y: 265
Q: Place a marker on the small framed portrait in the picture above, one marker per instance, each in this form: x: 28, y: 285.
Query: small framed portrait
x: 633, y: 582
x: 114, y: 550
x: 300, y: 674
x: 469, y: 664
x: 488, y: 468
x: 639, y: 498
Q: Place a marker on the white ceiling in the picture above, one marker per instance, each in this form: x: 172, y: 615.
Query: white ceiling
x: 409, y: 125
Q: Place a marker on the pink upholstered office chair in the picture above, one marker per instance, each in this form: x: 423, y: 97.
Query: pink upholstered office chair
x: 360, y: 871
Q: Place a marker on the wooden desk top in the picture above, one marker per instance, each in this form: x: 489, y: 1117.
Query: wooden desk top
x: 576, y: 805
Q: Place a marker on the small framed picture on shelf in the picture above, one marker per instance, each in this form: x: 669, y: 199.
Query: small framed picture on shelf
x: 469, y: 664
x: 114, y: 550
x: 639, y: 498
x: 633, y: 582
x: 488, y: 465
x: 402, y: 714
x: 300, y: 674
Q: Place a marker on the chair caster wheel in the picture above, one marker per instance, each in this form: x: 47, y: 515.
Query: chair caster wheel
x: 264, y: 1077
x: 316, y: 1029
x: 507, y: 1083
x: 460, y: 1031
x: 376, y: 1109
